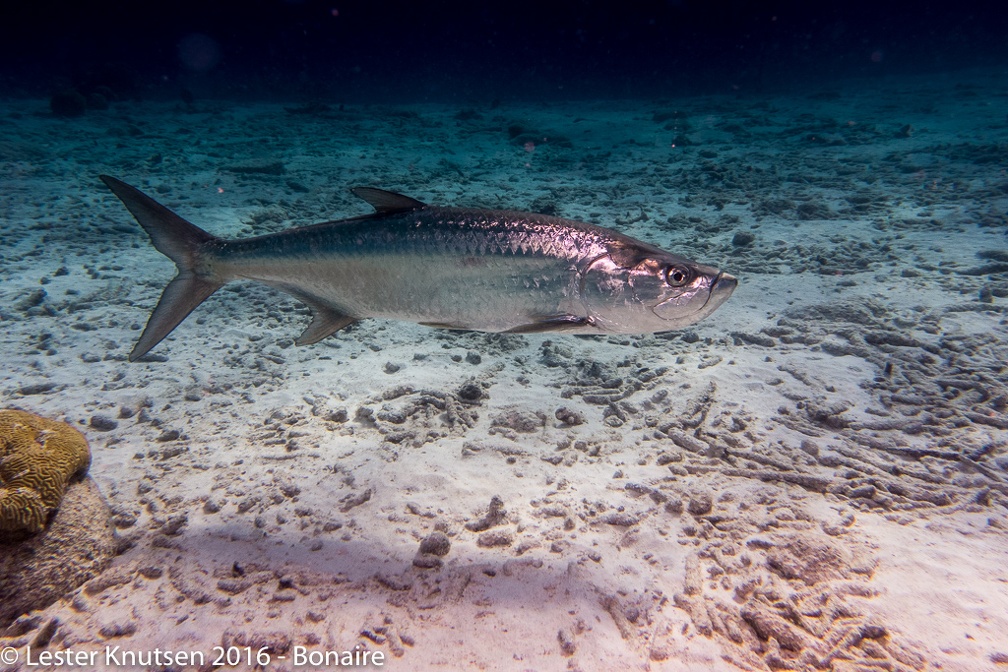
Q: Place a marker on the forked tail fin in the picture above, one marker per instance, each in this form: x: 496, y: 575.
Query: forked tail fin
x: 181, y: 242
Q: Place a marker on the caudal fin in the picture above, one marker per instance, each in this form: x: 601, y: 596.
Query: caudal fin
x: 181, y: 242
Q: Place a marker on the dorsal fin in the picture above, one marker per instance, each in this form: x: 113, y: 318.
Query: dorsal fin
x: 385, y: 202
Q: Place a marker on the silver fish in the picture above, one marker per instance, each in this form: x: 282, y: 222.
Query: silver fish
x: 458, y: 268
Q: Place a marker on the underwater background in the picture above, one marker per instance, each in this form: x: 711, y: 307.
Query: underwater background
x: 815, y: 477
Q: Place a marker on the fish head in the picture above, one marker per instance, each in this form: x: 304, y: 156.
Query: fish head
x: 643, y: 289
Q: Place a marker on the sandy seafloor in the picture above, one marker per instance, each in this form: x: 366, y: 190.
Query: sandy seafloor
x: 815, y: 477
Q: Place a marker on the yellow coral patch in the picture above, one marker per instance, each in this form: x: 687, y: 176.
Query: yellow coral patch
x: 38, y: 457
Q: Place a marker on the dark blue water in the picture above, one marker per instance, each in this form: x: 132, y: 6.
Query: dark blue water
x: 471, y: 52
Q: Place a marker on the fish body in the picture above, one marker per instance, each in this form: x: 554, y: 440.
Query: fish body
x: 460, y: 268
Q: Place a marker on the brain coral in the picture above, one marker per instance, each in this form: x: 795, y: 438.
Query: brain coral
x: 38, y: 457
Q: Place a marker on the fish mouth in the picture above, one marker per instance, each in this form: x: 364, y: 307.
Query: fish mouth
x: 720, y: 289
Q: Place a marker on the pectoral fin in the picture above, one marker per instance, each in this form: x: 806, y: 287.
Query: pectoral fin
x: 443, y: 325
x: 548, y: 323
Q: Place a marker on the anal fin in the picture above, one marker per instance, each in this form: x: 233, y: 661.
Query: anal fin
x: 324, y: 323
x: 326, y: 320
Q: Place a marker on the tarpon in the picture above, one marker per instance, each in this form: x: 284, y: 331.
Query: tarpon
x: 458, y: 268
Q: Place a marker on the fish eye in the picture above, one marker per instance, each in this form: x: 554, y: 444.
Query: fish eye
x: 676, y: 276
